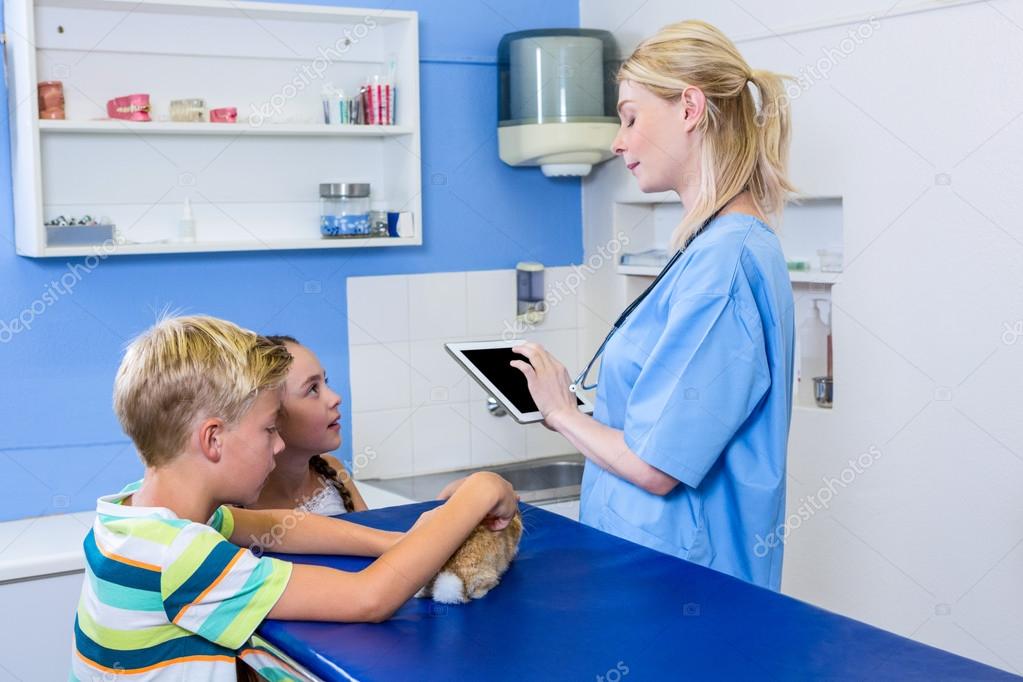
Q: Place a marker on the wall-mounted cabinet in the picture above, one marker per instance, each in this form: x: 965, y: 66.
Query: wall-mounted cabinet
x: 811, y: 236
x: 252, y: 185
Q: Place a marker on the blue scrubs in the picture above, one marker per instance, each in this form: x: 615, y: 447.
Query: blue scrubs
x: 700, y: 380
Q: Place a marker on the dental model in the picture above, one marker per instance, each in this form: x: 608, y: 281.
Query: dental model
x: 129, y: 108
x: 224, y: 115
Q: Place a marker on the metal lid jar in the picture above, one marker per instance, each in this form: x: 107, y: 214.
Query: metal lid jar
x: 344, y: 209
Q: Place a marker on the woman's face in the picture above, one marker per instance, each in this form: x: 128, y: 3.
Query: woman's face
x: 309, y: 419
x: 657, y: 138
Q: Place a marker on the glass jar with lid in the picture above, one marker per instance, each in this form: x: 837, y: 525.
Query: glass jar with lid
x: 344, y: 209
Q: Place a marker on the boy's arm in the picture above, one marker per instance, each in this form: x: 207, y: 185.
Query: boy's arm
x: 376, y: 592
x: 293, y: 531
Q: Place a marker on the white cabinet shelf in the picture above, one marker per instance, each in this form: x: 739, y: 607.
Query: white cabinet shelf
x: 639, y: 270
x: 814, y: 277
x: 806, y: 277
x: 254, y: 184
x: 112, y: 127
x: 129, y: 249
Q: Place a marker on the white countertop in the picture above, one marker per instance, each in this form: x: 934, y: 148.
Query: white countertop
x: 43, y: 545
x: 46, y: 545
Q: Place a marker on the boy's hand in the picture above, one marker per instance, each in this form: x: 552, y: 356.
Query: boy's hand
x: 377, y: 591
x: 507, y: 505
x: 495, y: 520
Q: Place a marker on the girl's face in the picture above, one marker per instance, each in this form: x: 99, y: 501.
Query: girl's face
x: 310, y: 421
x: 658, y: 138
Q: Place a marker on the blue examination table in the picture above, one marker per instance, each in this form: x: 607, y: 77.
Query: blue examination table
x: 579, y: 604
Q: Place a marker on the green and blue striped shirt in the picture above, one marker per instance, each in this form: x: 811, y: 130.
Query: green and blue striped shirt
x: 168, y: 598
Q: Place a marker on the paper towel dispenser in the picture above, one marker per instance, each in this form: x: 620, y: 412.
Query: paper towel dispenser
x: 558, y: 99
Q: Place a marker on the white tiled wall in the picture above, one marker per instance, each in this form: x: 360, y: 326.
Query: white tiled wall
x: 414, y: 410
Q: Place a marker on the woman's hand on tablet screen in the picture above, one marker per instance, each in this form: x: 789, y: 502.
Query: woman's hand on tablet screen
x: 548, y: 380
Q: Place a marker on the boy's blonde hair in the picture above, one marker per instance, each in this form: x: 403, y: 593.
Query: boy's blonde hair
x: 745, y: 146
x: 185, y: 369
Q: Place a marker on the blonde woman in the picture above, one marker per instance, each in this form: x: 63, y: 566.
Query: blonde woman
x: 686, y: 447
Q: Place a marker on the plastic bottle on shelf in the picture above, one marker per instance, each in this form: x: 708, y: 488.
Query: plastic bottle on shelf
x: 340, y: 107
x: 328, y: 94
x: 186, y: 226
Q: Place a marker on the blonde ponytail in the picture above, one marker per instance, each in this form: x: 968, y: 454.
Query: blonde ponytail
x: 745, y: 135
x: 769, y: 182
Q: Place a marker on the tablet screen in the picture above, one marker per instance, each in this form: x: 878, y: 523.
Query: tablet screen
x: 493, y: 363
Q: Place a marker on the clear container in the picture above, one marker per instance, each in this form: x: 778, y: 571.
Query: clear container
x: 378, y: 220
x: 344, y: 209
x: 831, y: 259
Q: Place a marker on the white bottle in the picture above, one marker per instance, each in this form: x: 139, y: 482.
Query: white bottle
x: 186, y: 226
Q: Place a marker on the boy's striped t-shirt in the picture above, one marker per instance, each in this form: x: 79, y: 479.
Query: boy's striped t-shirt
x: 168, y: 598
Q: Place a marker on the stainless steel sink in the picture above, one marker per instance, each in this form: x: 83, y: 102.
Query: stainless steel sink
x: 554, y: 475
x: 551, y: 479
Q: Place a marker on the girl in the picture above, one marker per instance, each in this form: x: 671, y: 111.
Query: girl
x: 686, y: 446
x: 306, y: 477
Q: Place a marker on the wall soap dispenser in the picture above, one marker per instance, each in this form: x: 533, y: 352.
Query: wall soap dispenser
x: 530, y: 291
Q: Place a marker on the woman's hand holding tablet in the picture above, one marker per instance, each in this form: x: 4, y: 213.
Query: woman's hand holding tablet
x: 499, y: 369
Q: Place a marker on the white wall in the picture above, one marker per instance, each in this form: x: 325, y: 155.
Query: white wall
x: 414, y: 409
x: 918, y: 126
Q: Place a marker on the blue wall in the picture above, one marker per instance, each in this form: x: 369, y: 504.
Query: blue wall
x: 61, y: 446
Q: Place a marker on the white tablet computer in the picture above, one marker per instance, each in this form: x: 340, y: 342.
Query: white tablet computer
x: 488, y: 363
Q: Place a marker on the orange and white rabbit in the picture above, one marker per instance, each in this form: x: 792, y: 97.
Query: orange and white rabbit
x: 477, y: 566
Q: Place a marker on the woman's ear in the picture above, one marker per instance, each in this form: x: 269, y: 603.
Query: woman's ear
x: 694, y: 105
x: 211, y: 439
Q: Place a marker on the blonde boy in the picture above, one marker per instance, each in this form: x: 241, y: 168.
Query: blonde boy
x: 166, y: 593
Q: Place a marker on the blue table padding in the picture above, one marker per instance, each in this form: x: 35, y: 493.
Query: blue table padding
x: 578, y: 603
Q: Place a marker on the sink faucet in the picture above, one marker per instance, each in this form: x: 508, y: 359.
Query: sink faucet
x: 495, y: 408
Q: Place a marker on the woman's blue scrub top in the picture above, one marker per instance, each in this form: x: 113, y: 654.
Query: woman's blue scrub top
x: 700, y: 380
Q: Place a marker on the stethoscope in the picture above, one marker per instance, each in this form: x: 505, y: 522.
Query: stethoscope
x: 580, y: 382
